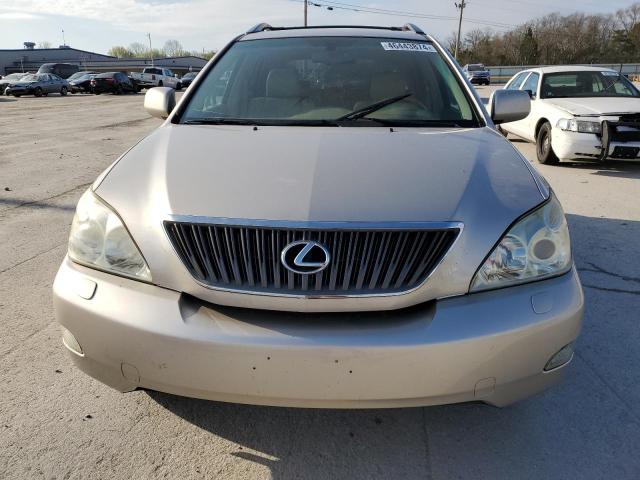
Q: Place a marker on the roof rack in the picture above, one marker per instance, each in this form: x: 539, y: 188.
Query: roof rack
x: 261, y: 27
x: 410, y: 27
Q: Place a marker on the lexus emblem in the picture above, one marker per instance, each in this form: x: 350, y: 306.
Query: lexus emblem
x: 305, y: 257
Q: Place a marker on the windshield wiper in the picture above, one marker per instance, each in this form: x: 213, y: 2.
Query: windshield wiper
x: 219, y: 121
x: 364, y: 111
x: 279, y: 122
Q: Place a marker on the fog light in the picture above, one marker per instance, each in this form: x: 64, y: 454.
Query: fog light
x: 563, y: 356
x: 71, y: 343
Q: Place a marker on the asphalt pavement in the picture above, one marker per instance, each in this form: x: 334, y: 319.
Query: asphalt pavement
x: 56, y: 422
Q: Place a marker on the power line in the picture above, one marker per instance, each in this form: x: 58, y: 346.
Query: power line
x: 333, y: 5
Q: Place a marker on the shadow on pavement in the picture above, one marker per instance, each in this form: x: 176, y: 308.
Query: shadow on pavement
x: 587, y: 427
x: 315, y: 444
x: 610, y: 168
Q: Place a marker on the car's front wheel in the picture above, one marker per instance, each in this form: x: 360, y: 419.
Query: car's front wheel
x: 544, y: 149
x: 63, y: 91
x: 38, y: 92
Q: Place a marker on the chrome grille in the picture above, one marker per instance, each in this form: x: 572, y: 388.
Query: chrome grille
x: 363, y: 261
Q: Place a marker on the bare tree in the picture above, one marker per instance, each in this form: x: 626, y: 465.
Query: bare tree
x: 173, y: 48
x: 556, y: 39
x: 138, y: 49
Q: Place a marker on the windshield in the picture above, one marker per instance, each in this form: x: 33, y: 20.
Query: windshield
x: 30, y: 78
x: 78, y: 75
x: 317, y: 80
x: 586, y: 84
x: 189, y: 76
x: 14, y: 76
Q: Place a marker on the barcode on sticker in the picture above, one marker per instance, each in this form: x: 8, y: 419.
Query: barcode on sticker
x: 408, y: 46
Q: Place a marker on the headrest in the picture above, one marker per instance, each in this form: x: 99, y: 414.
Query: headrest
x: 283, y: 83
x: 386, y: 85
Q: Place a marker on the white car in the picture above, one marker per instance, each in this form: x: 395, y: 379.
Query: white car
x: 578, y: 113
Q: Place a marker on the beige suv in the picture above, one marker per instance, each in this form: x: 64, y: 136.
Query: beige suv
x: 328, y: 218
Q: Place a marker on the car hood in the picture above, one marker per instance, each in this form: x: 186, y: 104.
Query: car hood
x: 596, y: 106
x: 473, y: 176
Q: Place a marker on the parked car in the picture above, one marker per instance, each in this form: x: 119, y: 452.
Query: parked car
x: 578, y: 113
x: 38, y: 84
x: 112, y: 82
x: 157, y: 77
x: 62, y: 70
x: 187, y: 78
x: 80, y: 82
x: 342, y: 227
x: 477, y: 73
x: 7, y: 79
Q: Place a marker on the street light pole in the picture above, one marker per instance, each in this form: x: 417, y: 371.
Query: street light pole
x: 150, y: 49
x: 306, y: 8
x: 461, y: 6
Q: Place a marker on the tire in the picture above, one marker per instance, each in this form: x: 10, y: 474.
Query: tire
x: 63, y: 91
x: 160, y: 84
x: 544, y: 149
x: 38, y: 92
x: 179, y: 86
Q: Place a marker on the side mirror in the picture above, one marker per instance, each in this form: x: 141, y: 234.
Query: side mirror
x: 509, y: 106
x: 160, y: 101
x: 532, y: 95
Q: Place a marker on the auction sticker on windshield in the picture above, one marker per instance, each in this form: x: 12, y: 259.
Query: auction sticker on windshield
x: 408, y: 46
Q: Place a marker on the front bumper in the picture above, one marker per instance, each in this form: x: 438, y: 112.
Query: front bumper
x: 490, y: 346
x: 20, y: 90
x: 569, y: 145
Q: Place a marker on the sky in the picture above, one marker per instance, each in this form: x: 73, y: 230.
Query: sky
x: 97, y: 25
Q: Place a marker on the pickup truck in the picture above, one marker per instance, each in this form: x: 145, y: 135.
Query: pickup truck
x: 156, y: 77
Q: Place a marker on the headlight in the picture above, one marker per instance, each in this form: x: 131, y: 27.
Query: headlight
x: 100, y: 240
x: 536, y: 247
x: 582, y: 126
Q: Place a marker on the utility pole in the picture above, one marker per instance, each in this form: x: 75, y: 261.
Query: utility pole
x: 64, y: 42
x: 150, y: 49
x: 460, y: 6
x: 306, y: 8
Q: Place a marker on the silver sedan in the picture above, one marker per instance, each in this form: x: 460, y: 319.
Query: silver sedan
x: 38, y: 84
